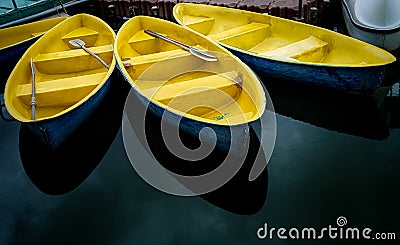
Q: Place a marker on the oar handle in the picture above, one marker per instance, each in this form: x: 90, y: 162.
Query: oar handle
x: 96, y: 56
x: 33, y: 106
x: 33, y: 98
x: 194, y: 51
x: 154, y: 34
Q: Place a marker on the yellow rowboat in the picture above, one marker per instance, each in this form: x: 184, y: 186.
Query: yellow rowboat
x: 290, y: 50
x: 171, y: 82
x: 15, y: 40
x: 64, y: 82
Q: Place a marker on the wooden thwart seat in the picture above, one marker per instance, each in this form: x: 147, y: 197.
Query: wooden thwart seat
x: 73, y: 53
x: 73, y: 60
x: 191, y: 20
x: 143, y: 43
x: 199, y: 23
x: 61, y: 92
x: 146, y: 44
x: 298, y: 49
x: 88, y: 35
x: 252, y: 28
x: 206, y: 93
x: 155, y: 57
x: 140, y: 36
x: 218, y: 81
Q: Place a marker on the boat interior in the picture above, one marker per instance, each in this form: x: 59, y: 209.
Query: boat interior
x: 186, y: 83
x: 377, y: 15
x: 64, y: 74
x: 273, y: 38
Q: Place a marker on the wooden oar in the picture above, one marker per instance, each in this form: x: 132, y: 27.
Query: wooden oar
x: 194, y: 51
x: 33, y: 100
x: 81, y: 44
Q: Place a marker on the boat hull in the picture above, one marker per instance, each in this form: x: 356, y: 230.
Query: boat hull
x: 386, y: 38
x: 53, y: 132
x: 363, y: 80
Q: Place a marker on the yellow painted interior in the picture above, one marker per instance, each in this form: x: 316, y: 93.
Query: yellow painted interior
x: 63, y: 91
x: 16, y: 34
x: 139, y: 64
x: 278, y: 38
x: 188, y: 94
x: 65, y: 76
x: 225, y: 92
x: 84, y: 33
x: 54, y: 63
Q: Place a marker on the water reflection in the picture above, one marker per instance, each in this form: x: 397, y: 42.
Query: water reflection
x: 352, y: 114
x: 240, y: 195
x: 391, y: 106
x: 228, y: 197
x: 62, y: 170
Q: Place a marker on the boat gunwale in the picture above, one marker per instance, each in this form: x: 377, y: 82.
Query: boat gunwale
x: 297, y: 62
x: 128, y: 78
x: 8, y: 99
x: 315, y: 64
x: 33, y: 37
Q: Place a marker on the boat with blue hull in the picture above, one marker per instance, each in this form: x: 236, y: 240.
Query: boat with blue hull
x: 14, y: 41
x: 358, y: 80
x: 291, y: 50
x: 57, y: 84
x: 187, y: 92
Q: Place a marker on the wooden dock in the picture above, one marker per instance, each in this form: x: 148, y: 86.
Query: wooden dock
x: 311, y: 11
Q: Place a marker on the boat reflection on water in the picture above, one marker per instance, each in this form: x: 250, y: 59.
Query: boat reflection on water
x: 59, y: 171
x: 238, y: 195
x: 391, y: 106
x: 352, y: 114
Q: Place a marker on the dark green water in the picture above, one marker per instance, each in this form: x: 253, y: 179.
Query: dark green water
x: 335, y: 155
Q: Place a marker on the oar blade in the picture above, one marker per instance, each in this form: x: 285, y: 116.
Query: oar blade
x: 77, y: 43
x: 202, y: 54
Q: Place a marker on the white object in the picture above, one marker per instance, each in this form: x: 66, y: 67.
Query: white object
x: 374, y: 21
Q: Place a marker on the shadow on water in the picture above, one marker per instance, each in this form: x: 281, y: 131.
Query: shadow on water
x: 59, y: 171
x: 238, y: 195
x: 358, y: 115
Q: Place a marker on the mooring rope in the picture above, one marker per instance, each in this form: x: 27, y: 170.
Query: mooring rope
x: 62, y: 6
